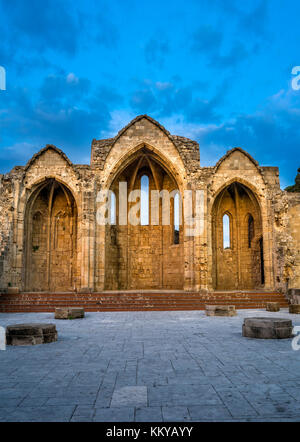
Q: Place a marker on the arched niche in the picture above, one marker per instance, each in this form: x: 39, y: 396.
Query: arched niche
x: 50, y: 238
x: 239, y: 265
x: 144, y: 256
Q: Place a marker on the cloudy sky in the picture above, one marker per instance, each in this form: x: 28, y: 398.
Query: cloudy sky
x: 218, y: 71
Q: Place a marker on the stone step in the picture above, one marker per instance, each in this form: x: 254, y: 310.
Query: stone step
x: 137, y: 301
x: 34, y: 308
x: 141, y: 302
x: 16, y: 298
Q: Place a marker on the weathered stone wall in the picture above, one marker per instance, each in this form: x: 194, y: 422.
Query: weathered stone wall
x: 93, y: 257
x: 237, y: 265
x: 294, y: 214
x: 144, y: 256
x: 6, y: 230
x: 287, y: 240
x: 51, y: 239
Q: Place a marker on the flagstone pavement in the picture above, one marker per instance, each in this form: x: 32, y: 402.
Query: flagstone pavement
x: 150, y: 367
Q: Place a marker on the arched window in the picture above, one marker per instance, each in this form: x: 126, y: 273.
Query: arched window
x: 144, y: 200
x: 176, y: 218
x: 226, y: 232
x: 113, y: 213
x: 250, y: 230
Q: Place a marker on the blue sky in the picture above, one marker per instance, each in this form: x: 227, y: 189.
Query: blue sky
x: 218, y: 71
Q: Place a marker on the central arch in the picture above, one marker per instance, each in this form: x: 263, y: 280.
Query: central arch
x: 147, y: 255
x: 237, y: 239
x: 50, y: 238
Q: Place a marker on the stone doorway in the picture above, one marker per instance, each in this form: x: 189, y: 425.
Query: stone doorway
x: 51, y: 238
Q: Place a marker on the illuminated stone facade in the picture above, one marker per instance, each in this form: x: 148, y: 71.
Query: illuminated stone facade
x: 51, y: 240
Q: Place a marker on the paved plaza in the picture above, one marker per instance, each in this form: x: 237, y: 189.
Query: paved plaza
x: 150, y: 366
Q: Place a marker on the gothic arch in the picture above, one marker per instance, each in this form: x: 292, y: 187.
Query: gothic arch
x: 238, y: 267
x: 50, y: 238
x: 135, y: 152
x: 143, y: 256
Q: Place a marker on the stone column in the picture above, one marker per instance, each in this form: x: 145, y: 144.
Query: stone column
x: 87, y: 223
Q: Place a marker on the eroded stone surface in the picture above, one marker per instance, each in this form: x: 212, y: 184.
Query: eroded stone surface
x: 294, y: 309
x: 30, y: 334
x: 71, y: 251
x: 69, y: 313
x: 267, y: 328
x: 273, y: 307
x: 220, y: 310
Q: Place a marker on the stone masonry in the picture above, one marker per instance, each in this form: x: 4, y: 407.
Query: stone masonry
x: 50, y: 239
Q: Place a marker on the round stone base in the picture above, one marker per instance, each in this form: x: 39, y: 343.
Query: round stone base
x: 267, y: 328
x: 31, y: 334
x: 69, y: 313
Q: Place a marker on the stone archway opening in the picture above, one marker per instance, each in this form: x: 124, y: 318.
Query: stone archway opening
x: 237, y: 240
x: 51, y: 238
x: 145, y: 256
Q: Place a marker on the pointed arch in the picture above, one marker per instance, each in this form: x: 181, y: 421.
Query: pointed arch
x: 235, y: 264
x: 50, y: 238
x: 150, y: 153
x: 140, y: 257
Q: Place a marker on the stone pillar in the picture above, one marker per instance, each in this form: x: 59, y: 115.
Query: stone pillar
x: 201, y: 247
x: 87, y: 222
x: 268, y: 232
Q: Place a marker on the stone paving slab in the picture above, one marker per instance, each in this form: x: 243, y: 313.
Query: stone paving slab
x: 150, y: 366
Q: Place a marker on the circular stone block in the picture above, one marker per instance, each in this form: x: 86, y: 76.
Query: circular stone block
x: 220, y: 310
x: 294, y: 309
x: 267, y: 328
x: 30, y: 334
x: 69, y: 313
x: 273, y: 307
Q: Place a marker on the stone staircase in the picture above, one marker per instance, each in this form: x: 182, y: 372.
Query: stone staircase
x: 137, y: 301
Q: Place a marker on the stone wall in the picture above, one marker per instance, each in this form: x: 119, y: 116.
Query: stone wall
x: 90, y: 257
x: 6, y: 230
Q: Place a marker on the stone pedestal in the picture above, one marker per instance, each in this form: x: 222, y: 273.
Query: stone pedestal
x: 85, y: 290
x: 30, y: 334
x: 267, y: 328
x: 273, y: 307
x: 69, y: 313
x: 13, y: 290
x: 294, y: 309
x: 220, y: 310
x: 294, y: 296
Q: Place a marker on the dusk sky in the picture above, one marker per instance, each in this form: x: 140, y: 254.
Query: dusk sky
x: 217, y: 71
